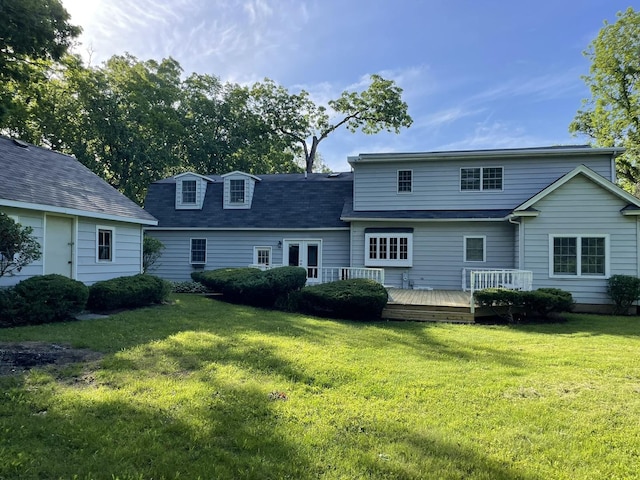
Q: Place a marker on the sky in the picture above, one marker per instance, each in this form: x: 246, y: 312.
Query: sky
x: 476, y: 74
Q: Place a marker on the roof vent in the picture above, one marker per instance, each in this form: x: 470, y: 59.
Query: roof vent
x: 333, y: 175
x: 20, y: 143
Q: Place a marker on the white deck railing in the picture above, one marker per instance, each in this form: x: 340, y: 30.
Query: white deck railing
x: 479, y: 279
x: 331, y: 274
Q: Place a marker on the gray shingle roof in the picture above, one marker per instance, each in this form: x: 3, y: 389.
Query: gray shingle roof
x: 43, y: 177
x: 279, y: 201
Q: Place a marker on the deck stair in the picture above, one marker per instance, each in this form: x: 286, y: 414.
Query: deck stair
x: 428, y: 306
x: 427, y: 313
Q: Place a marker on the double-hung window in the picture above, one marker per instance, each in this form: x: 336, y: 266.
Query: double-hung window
x: 105, y: 244
x: 405, y: 181
x: 579, y: 255
x: 236, y: 191
x: 474, y: 249
x: 388, y: 249
x: 188, y: 192
x: 481, y: 178
x: 198, y: 252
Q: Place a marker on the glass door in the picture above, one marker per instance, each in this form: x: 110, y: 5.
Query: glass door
x: 306, y: 254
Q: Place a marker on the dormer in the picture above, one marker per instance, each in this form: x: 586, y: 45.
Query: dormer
x: 238, y: 190
x: 190, y: 190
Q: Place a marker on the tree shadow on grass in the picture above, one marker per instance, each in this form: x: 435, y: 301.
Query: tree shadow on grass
x: 587, y: 324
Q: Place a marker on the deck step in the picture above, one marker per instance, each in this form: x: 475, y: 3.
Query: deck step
x: 427, y: 314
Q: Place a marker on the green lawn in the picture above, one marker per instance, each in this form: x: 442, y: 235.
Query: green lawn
x: 187, y: 391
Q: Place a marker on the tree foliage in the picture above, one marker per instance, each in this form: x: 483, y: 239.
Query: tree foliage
x: 31, y: 31
x: 296, y: 117
x: 18, y: 248
x: 151, y: 252
x: 612, y: 115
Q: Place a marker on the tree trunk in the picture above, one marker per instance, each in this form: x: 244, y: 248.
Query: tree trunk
x: 311, y: 156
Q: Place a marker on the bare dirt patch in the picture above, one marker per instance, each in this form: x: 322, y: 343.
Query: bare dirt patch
x: 17, y: 358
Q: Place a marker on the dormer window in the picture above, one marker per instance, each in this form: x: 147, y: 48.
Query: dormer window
x: 188, y: 192
x: 236, y: 191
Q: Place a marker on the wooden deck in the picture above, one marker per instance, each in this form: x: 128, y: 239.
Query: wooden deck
x: 428, y: 306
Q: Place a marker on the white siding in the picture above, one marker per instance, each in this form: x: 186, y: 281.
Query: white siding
x: 127, y: 245
x: 581, y: 207
x: 249, y: 187
x: 227, y: 249
x: 436, y: 184
x: 438, y: 251
x: 201, y: 189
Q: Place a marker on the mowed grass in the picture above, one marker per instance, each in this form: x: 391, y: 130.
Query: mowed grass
x: 203, y: 389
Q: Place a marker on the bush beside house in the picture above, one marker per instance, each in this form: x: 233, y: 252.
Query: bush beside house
x: 357, y: 299
x: 128, y: 292
x: 624, y: 290
x: 42, y: 299
x: 516, y: 305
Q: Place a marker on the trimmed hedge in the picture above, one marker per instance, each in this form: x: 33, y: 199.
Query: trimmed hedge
x: 42, y: 299
x: 540, y: 303
x: 127, y: 292
x: 357, y: 299
x: 623, y: 290
x: 251, y: 286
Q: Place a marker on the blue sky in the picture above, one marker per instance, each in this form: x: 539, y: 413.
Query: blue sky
x: 475, y: 74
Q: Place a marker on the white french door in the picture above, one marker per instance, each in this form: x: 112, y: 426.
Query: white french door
x: 306, y: 254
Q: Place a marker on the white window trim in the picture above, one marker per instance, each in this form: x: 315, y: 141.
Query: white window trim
x: 206, y: 247
x: 398, y: 181
x: 113, y: 243
x: 255, y: 255
x: 195, y: 201
x: 376, y: 262
x: 580, y: 236
x: 481, y: 189
x: 484, y: 248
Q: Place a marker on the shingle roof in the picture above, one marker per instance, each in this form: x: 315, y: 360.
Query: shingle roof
x: 280, y: 201
x: 42, y: 177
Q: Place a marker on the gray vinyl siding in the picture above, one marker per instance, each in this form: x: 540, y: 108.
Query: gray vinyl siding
x: 438, y: 251
x: 227, y: 249
x: 581, y: 207
x: 127, y: 245
x: 128, y: 238
x: 436, y: 184
x: 35, y: 220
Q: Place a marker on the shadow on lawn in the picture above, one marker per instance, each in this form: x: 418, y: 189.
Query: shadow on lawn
x: 587, y: 324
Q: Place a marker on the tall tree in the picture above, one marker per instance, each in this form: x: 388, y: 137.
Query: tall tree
x: 30, y: 31
x: 296, y: 117
x: 612, y: 115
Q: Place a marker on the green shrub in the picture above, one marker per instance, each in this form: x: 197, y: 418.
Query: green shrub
x: 251, y: 286
x: 540, y: 303
x: 188, y: 287
x: 8, y: 305
x: 357, y: 299
x: 45, y: 299
x: 128, y: 292
x: 623, y: 290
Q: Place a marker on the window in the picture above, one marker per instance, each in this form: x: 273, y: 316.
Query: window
x: 405, y: 184
x: 198, y: 250
x: 105, y: 243
x: 481, y: 178
x: 579, y: 255
x: 474, y: 250
x: 188, y: 191
x: 388, y: 249
x: 262, y: 255
x: 236, y: 191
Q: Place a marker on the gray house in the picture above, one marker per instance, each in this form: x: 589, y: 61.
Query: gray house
x: 536, y: 217
x: 87, y: 230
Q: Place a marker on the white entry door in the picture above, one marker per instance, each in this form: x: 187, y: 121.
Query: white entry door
x: 58, y: 246
x: 306, y: 254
